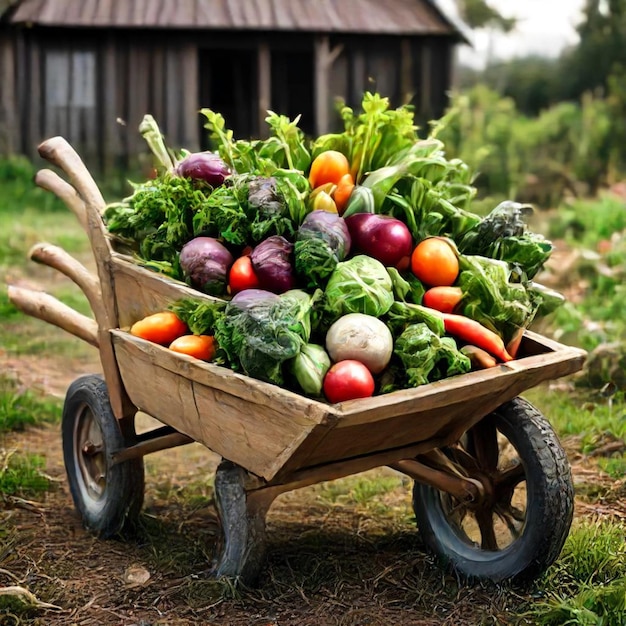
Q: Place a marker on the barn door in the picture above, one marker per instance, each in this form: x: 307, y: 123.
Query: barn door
x: 228, y: 85
x: 293, y: 91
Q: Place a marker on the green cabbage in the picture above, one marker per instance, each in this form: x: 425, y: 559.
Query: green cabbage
x: 427, y: 357
x: 259, y: 339
x: 491, y: 297
x: 359, y: 285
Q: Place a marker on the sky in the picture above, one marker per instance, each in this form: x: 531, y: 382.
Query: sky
x: 544, y: 27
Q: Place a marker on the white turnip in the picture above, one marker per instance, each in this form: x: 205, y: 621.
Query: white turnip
x: 360, y: 337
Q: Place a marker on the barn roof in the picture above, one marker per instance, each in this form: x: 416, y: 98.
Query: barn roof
x: 394, y: 17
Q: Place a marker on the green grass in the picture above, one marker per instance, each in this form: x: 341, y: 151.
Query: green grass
x: 358, y: 490
x: 26, y: 218
x: 598, y: 230
x: 22, y: 475
x: 8, y: 311
x: 19, y: 190
x: 20, y: 231
x: 584, y: 223
x: 587, y: 585
x: 584, y: 414
x: 614, y: 466
x: 21, y: 408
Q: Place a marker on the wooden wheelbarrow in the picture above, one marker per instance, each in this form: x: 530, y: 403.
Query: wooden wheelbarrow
x: 488, y: 514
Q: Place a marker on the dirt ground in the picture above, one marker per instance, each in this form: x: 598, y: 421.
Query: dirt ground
x: 327, y: 564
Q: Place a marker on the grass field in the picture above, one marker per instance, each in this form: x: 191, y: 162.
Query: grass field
x: 347, y: 550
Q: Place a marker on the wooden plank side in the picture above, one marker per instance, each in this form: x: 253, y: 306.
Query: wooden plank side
x: 310, y: 435
x: 110, y: 110
x: 259, y: 436
x: 311, y: 475
x: 321, y: 79
x: 264, y: 73
x: 35, y: 94
x: 174, y: 86
x: 22, y: 94
x: 425, y: 91
x: 297, y: 407
x: 138, y: 95
x: 523, y: 373
x: 157, y: 75
x: 140, y: 292
x: 444, y: 424
x: 190, y: 98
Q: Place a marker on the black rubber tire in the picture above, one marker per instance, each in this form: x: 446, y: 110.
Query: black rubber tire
x: 107, y: 497
x: 549, y: 505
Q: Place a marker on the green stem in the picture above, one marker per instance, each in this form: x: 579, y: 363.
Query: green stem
x: 149, y: 129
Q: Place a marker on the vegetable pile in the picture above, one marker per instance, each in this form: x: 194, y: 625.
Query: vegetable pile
x: 342, y: 266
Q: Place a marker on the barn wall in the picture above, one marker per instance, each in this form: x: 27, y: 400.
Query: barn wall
x: 415, y: 71
x: 94, y: 90
x: 94, y: 86
x: 8, y: 103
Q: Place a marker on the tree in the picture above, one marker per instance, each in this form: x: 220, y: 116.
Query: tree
x: 601, y: 51
x: 479, y: 14
x: 531, y: 81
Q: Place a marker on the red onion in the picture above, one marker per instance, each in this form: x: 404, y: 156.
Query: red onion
x: 382, y: 237
x: 272, y: 263
x: 205, y: 263
x: 206, y: 166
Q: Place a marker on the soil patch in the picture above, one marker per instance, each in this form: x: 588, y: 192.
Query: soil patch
x: 328, y: 563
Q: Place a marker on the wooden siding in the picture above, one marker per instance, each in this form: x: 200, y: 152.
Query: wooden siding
x: 415, y: 17
x: 172, y: 74
x: 8, y: 113
x: 99, y: 114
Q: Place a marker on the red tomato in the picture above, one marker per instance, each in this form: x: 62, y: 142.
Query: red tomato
x: 242, y: 276
x: 348, y: 380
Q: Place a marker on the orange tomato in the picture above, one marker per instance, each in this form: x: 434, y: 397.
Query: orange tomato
x: 434, y: 262
x: 343, y: 191
x: 241, y: 275
x: 161, y: 328
x: 328, y: 167
x: 198, y: 346
x: 444, y: 299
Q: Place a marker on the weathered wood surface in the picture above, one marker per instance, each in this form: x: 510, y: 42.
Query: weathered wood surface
x: 57, y: 258
x: 59, y: 152
x: 140, y: 292
x: 246, y: 421
x: 277, y: 434
x: 47, y: 308
x: 51, y: 181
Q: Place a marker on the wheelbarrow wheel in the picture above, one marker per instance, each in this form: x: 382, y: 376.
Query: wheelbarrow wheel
x: 108, y: 497
x: 515, y: 530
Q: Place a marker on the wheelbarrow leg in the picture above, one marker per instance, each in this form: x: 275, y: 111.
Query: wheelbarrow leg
x: 242, y: 515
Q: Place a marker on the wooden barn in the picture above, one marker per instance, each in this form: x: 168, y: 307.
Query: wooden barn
x: 90, y: 69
